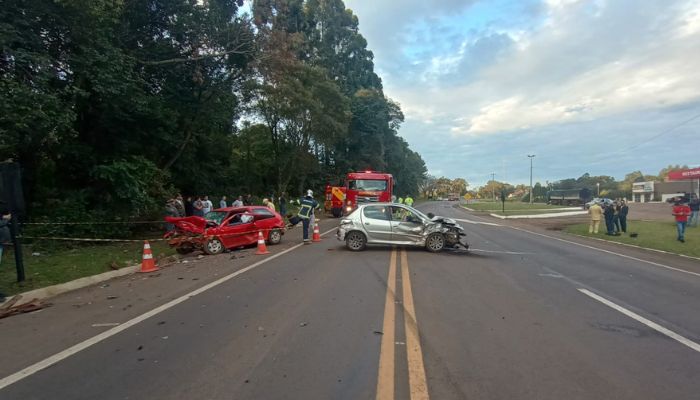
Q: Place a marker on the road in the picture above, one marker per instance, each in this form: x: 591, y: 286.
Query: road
x: 525, y: 315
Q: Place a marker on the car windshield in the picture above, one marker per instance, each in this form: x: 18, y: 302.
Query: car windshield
x: 216, y: 216
x: 374, y: 185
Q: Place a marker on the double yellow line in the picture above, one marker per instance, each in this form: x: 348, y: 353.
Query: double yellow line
x: 418, y: 387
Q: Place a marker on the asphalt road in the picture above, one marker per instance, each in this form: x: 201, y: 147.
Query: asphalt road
x: 525, y: 315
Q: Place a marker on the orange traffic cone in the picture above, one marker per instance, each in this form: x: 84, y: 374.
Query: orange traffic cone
x: 317, y: 233
x: 147, y: 263
x: 262, y: 248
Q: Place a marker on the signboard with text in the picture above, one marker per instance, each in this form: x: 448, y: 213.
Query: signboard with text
x: 684, y: 174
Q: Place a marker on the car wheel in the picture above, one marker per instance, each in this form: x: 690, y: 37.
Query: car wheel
x: 435, y: 242
x: 213, y: 246
x: 355, y: 241
x: 275, y: 236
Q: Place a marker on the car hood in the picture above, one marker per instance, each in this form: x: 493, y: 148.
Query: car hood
x: 192, y: 224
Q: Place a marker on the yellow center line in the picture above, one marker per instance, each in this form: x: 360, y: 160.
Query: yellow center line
x: 385, y: 382
x: 416, y: 369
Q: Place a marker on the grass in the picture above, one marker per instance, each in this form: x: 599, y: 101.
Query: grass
x: 65, y: 264
x: 651, y: 234
x: 532, y: 212
x: 510, y: 206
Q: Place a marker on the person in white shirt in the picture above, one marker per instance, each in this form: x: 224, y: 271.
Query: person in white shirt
x: 206, y: 205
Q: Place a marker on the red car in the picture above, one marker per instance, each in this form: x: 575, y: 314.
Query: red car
x: 225, y: 228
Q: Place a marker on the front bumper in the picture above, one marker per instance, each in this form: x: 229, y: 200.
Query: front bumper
x: 340, y: 234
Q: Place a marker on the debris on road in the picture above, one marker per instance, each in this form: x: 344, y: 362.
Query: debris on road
x: 378, y: 332
x: 10, y: 309
x: 112, y: 297
x: 303, y: 324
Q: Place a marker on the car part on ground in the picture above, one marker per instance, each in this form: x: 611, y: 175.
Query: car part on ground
x: 399, y: 224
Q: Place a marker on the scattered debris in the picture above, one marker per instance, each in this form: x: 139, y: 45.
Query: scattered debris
x: 303, y: 324
x: 164, y: 337
x: 112, y: 297
x: 10, y: 309
x: 104, y: 285
x: 140, y: 347
x: 378, y: 332
x: 161, y: 322
x: 199, y: 257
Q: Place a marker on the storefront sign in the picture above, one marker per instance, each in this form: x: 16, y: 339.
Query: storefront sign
x: 684, y: 174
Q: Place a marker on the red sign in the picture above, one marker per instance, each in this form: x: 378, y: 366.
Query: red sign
x: 684, y: 174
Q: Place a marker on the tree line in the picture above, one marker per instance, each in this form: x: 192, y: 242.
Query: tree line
x: 112, y: 106
x: 609, y: 186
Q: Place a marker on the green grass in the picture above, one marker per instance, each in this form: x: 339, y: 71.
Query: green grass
x: 510, y: 206
x: 532, y: 212
x: 653, y: 235
x: 65, y: 264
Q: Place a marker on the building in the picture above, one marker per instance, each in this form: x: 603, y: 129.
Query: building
x: 644, y: 192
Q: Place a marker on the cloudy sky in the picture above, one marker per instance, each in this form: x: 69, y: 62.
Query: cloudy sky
x: 599, y: 86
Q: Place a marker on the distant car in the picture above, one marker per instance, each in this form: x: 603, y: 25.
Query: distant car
x: 398, y: 224
x: 598, y: 200
x: 225, y: 228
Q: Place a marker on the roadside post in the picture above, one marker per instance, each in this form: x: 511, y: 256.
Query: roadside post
x: 11, y: 195
x: 503, y: 201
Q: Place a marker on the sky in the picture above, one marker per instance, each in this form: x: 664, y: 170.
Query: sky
x: 600, y: 87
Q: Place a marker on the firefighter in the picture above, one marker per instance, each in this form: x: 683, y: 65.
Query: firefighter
x: 306, y: 211
x: 400, y: 200
x: 408, y: 201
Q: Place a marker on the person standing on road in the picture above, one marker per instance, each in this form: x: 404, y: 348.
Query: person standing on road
x: 408, y: 200
x: 624, y: 210
x: 596, y: 213
x: 269, y: 204
x: 681, y: 211
x: 609, y: 214
x: 238, y: 202
x: 283, y: 204
x: 616, y: 216
x: 306, y: 210
x: 180, y: 205
x: 5, y: 236
x: 222, y: 203
x: 198, y: 207
x: 694, y: 208
x: 206, y: 205
x: 189, y: 207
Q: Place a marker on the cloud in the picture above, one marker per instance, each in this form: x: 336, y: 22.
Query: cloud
x: 536, y: 74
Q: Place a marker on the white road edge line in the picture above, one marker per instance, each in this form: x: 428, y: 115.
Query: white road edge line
x: 608, y: 251
x: 639, y: 318
x: 47, y: 362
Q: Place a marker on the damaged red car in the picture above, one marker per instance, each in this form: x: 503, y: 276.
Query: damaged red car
x: 225, y: 228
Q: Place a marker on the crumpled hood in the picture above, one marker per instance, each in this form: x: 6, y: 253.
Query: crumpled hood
x: 192, y: 224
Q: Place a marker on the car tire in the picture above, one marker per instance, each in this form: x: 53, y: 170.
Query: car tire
x: 213, y: 246
x: 355, y: 241
x: 275, y: 236
x: 435, y: 242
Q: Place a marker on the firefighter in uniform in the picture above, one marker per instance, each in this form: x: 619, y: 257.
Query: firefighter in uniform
x: 400, y: 200
x: 306, y: 211
x: 408, y: 201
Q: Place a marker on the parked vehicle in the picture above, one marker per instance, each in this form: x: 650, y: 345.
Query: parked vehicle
x: 569, y: 197
x: 397, y: 224
x: 453, y: 197
x: 225, y: 228
x: 603, y: 201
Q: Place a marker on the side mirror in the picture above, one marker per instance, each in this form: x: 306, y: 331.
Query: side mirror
x: 431, y: 215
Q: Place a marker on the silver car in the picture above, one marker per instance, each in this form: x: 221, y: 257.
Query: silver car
x: 398, y: 224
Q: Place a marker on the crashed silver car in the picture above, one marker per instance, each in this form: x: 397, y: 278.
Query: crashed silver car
x: 398, y: 224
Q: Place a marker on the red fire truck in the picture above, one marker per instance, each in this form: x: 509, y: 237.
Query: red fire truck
x: 360, y: 187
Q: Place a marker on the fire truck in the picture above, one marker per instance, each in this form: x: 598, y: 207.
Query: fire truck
x: 360, y: 187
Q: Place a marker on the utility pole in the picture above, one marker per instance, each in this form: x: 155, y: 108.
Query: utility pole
x: 493, y: 185
x: 531, y: 156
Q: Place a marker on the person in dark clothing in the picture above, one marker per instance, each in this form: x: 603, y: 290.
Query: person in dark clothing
x: 616, y: 216
x: 624, y: 210
x: 189, y: 207
x: 283, y: 204
x: 694, y: 210
x: 306, y: 212
x: 5, y: 236
x: 248, y: 200
x: 609, y: 214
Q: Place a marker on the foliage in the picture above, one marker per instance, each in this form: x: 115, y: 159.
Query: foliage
x: 109, y: 106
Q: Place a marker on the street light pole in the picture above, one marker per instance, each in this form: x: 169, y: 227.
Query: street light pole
x: 531, y: 156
